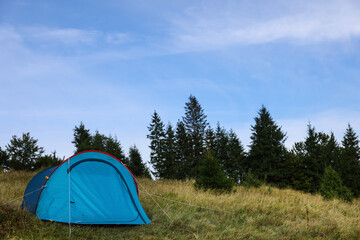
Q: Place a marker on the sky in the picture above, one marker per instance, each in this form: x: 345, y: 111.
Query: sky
x: 112, y: 63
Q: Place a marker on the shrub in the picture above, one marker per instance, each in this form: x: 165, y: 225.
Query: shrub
x: 346, y: 194
x: 331, y: 186
x: 251, y: 180
x: 47, y: 160
x: 211, y: 176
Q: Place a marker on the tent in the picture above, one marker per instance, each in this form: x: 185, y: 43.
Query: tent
x: 90, y: 187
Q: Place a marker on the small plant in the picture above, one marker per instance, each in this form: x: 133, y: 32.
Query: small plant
x: 331, y: 186
x: 211, y: 176
x: 251, y: 180
x: 346, y: 194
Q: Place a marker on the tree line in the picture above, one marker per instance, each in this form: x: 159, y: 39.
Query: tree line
x: 84, y: 140
x: 23, y: 153
x: 186, y: 151
x: 215, y: 156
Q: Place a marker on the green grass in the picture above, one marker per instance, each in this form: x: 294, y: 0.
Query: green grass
x: 263, y: 213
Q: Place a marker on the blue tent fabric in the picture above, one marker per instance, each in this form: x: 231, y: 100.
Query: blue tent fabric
x: 32, y: 190
x: 90, y: 188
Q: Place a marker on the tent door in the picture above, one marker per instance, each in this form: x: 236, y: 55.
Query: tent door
x: 99, y: 195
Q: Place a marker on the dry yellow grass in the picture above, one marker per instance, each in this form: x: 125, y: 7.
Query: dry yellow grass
x: 264, y: 213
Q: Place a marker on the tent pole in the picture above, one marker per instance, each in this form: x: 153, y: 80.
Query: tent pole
x: 69, y: 199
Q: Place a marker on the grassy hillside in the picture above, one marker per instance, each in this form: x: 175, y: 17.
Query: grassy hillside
x: 265, y: 213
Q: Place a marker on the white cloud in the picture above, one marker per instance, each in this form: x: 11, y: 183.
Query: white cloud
x: 202, y: 28
x: 117, y: 38
x: 9, y: 34
x: 66, y: 35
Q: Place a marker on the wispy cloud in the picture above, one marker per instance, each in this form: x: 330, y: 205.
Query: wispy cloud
x: 9, y: 34
x: 202, y: 28
x: 61, y: 36
x: 65, y: 36
x: 117, y: 38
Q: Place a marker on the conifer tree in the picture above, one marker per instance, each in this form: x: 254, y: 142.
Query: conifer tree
x: 221, y: 145
x: 195, y: 125
x: 98, y: 142
x: 318, y: 151
x: 234, y: 166
x: 349, y: 167
x: 210, y: 139
x: 311, y: 154
x: 169, y: 154
x: 267, y: 151
x: 293, y: 172
x: 156, y: 137
x: 113, y: 147
x: 332, y: 151
x: 211, y: 175
x: 331, y: 186
x: 136, y: 165
x: 82, y: 138
x: 182, y: 150
x: 308, y: 153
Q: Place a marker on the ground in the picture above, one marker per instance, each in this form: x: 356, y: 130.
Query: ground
x: 263, y: 213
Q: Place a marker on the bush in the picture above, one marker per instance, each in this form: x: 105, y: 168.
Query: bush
x: 331, y: 186
x: 47, y: 160
x: 211, y: 176
x: 251, y: 180
x: 4, y: 158
x: 23, y: 152
x: 346, y: 194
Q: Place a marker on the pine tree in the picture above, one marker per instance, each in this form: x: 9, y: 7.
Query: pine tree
x: 332, y: 151
x: 349, y: 167
x: 82, y: 138
x: 156, y: 137
x: 169, y: 154
x: 299, y: 174
x: 210, y: 139
x: 267, y: 151
x: 221, y: 145
x: 98, y: 142
x: 136, y: 165
x: 211, y: 175
x: 113, y: 147
x: 182, y: 150
x: 23, y: 152
x: 318, y: 151
x: 195, y: 125
x: 312, y: 166
x: 331, y: 186
x: 234, y: 166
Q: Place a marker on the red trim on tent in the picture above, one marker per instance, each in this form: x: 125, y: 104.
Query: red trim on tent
x: 137, y: 188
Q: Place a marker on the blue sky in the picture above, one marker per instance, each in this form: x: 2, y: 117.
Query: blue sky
x: 112, y: 63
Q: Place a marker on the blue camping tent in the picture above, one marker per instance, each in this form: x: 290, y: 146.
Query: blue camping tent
x: 91, y: 187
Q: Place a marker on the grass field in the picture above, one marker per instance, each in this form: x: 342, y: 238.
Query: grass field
x: 264, y: 213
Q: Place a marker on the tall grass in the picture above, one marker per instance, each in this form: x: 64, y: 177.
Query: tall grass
x: 263, y: 213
